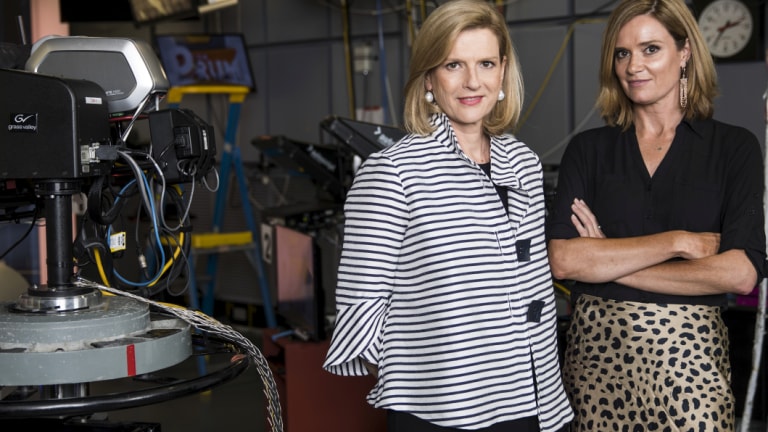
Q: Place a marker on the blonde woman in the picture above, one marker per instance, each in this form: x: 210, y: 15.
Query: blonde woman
x: 444, y: 288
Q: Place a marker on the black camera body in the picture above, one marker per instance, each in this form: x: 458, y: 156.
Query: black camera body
x: 53, y: 127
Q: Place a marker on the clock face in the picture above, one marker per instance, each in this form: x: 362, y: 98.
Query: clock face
x: 726, y: 26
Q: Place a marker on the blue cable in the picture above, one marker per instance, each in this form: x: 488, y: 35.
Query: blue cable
x: 156, y: 230
x: 282, y: 334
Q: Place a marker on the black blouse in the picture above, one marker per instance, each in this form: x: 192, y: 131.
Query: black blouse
x: 710, y: 180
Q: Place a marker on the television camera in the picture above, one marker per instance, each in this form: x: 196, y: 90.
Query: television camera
x: 69, y: 115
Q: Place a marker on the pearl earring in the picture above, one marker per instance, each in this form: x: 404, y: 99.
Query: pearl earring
x: 429, y: 96
x: 501, y: 95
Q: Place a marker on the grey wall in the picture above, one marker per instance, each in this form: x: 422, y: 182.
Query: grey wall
x: 297, y: 53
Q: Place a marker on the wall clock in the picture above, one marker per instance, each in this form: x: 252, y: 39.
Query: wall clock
x: 732, y: 29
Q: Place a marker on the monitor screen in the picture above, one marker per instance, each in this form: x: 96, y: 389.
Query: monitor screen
x: 205, y: 59
x: 300, y: 300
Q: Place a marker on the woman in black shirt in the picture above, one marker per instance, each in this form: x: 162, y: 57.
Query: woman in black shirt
x: 657, y: 217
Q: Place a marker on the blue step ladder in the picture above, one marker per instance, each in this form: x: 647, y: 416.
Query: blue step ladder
x: 214, y: 243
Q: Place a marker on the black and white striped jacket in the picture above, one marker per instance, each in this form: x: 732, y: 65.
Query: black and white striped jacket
x: 436, y: 284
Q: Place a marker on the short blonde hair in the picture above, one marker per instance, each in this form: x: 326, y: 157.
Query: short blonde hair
x: 432, y: 46
x: 674, y: 15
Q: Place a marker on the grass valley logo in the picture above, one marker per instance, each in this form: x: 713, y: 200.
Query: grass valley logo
x: 22, y: 122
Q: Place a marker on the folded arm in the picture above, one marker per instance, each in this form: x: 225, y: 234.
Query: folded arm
x: 727, y: 272
x: 644, y: 262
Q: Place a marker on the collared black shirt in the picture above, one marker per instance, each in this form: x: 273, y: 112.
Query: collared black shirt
x: 710, y: 180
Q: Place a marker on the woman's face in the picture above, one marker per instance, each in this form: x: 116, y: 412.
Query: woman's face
x: 467, y: 84
x: 647, y: 62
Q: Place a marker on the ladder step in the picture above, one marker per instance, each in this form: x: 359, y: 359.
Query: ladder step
x: 221, y: 240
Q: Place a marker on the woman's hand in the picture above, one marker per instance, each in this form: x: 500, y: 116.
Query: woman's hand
x: 584, y: 220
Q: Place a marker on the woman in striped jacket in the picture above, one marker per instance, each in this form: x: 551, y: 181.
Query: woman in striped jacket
x: 444, y: 288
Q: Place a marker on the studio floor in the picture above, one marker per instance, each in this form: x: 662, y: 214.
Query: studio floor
x: 238, y: 404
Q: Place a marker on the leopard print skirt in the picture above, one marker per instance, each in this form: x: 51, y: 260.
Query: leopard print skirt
x: 648, y: 367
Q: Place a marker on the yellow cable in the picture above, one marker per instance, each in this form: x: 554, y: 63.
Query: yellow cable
x: 167, y: 265
x: 176, y: 253
x: 552, y: 67
x: 170, y: 262
x: 562, y: 288
x: 100, y: 266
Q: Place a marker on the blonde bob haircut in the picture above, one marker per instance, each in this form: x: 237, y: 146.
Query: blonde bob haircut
x: 674, y: 15
x: 432, y: 46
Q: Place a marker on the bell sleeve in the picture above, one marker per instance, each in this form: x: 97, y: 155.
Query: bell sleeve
x: 376, y: 217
